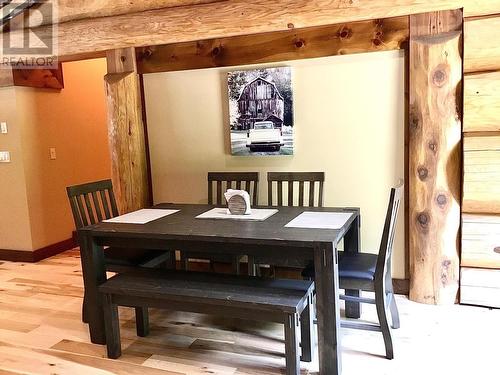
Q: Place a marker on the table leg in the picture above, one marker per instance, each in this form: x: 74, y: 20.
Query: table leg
x: 352, y: 245
x: 328, y: 309
x: 94, y: 274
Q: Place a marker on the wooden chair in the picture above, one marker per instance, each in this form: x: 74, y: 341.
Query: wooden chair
x: 310, y: 183
x: 306, y: 181
x: 218, y: 183
x: 95, y: 201
x: 372, y: 272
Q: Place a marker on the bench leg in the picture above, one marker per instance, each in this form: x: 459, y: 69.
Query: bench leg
x: 112, y: 327
x: 251, y: 266
x: 235, y: 264
x: 307, y: 342
x: 142, y: 321
x: 292, y: 345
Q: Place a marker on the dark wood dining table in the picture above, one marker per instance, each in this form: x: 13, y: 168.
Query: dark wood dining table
x: 269, y: 238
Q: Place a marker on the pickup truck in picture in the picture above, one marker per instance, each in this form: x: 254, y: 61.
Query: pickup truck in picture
x: 264, y: 135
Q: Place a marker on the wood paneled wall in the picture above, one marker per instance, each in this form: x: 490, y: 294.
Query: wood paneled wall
x: 481, y: 181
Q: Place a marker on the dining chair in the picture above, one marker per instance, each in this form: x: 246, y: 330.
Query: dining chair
x: 95, y: 201
x: 372, y: 273
x: 218, y: 183
x: 298, y: 189
x: 309, y: 183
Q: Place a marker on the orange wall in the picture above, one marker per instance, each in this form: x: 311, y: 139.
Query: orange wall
x: 74, y: 122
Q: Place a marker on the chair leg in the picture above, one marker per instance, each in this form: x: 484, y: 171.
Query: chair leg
x: 84, y: 309
x: 380, y: 303
x: 307, y: 332
x: 112, y: 328
x: 251, y: 266
x: 184, y: 261
x: 292, y: 345
x: 142, y: 321
x: 236, y: 264
x: 394, y: 311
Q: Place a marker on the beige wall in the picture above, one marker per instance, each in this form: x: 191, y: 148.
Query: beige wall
x: 349, y: 122
x: 15, y: 230
x: 74, y: 122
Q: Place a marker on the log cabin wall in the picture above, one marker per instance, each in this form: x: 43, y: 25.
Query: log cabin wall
x: 480, y: 261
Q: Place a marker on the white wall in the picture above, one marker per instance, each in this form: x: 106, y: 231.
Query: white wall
x: 349, y: 122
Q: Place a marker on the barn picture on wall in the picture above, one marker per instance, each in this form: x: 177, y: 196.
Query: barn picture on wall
x: 261, y: 111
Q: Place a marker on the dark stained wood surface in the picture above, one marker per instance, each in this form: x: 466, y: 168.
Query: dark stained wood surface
x: 183, y: 226
x: 311, y: 180
x: 182, y: 230
x: 248, y: 181
x: 289, y: 296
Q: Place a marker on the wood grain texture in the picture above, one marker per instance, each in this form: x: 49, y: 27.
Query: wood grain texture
x: 480, y: 241
x: 72, y: 10
x: 481, y: 174
x: 481, y: 44
x: 39, y: 78
x: 232, y: 18
x: 357, y: 37
x: 434, y: 157
x: 480, y: 287
x: 122, y: 60
x: 126, y: 139
x: 482, y: 102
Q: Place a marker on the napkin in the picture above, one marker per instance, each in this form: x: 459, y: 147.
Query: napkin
x: 232, y: 192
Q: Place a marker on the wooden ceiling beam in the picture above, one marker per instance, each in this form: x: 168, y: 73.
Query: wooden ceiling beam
x: 232, y: 18
x: 357, y: 37
x: 73, y: 10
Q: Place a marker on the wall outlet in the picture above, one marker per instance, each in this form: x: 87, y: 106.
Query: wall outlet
x: 52, y: 152
x: 4, y: 157
x: 3, y: 127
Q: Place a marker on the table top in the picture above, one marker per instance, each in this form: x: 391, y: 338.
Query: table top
x: 184, y: 226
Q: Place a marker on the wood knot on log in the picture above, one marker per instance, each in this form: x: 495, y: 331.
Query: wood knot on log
x: 440, y: 75
x: 445, y: 270
x: 433, y: 146
x: 299, y: 43
x: 423, y: 173
x: 216, y: 51
x: 344, y: 33
x: 423, y: 219
x: 290, y: 26
x: 376, y: 42
x: 441, y: 200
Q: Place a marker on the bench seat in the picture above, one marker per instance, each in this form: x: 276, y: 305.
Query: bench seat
x: 283, y: 301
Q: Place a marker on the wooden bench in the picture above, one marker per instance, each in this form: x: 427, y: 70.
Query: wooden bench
x: 283, y: 301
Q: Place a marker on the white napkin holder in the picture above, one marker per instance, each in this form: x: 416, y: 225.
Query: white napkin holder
x: 238, y: 202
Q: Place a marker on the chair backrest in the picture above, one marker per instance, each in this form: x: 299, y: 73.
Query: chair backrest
x: 385, y: 252
x: 311, y: 182
x: 92, y: 202
x: 248, y: 181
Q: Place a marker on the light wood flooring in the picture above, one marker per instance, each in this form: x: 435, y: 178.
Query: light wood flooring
x: 41, y: 333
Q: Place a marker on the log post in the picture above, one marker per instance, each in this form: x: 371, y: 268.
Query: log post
x: 435, y: 117
x: 126, y: 131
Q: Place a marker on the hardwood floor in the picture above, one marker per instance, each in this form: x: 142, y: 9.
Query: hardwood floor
x: 41, y: 333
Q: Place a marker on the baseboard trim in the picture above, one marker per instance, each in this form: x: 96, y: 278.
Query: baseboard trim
x: 401, y: 286
x: 38, y: 254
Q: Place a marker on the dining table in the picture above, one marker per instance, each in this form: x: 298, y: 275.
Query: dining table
x: 269, y: 238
